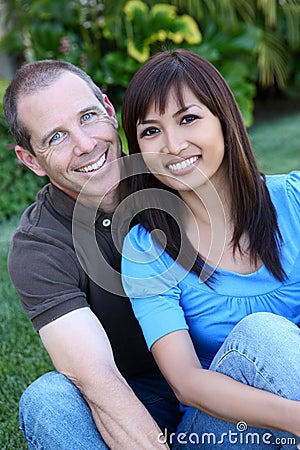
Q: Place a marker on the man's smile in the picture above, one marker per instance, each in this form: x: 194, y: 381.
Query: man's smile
x: 95, y: 166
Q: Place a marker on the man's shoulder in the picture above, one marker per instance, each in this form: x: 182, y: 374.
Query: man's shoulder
x: 42, y: 220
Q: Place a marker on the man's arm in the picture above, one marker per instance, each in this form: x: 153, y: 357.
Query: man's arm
x: 79, y: 348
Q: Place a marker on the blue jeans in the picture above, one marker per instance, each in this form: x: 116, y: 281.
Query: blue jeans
x: 54, y: 415
x: 263, y: 351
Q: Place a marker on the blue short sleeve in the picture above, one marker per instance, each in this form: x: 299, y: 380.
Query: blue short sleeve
x: 293, y: 190
x: 151, y: 280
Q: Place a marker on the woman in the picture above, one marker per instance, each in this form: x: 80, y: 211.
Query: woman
x: 219, y: 289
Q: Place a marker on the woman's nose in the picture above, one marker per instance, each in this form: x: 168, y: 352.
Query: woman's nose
x: 175, y: 142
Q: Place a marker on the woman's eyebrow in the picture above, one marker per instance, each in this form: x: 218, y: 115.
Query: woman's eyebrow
x: 185, y: 108
x: 177, y: 113
x: 146, y: 121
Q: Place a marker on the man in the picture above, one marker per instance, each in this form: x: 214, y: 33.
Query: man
x: 66, y: 128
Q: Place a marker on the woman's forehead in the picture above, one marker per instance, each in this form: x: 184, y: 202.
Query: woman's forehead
x: 179, y: 94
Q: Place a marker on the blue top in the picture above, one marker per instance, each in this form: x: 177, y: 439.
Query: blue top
x: 165, y: 297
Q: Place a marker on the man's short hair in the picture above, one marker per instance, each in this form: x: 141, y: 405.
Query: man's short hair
x: 31, y: 78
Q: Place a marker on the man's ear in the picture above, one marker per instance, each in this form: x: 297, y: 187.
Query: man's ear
x: 110, y: 110
x: 29, y: 160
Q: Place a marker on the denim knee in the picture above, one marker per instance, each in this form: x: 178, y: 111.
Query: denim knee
x: 54, y: 415
x: 262, y: 323
x: 264, y: 331
x: 263, y: 350
x: 39, y: 397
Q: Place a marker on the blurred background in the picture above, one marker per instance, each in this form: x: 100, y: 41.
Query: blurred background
x: 254, y: 43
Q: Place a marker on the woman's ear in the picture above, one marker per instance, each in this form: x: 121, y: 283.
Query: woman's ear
x: 110, y: 110
x: 29, y: 160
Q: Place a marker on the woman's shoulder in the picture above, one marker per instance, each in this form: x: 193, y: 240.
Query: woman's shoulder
x: 139, y: 237
x: 281, y: 180
x: 287, y: 185
x: 285, y: 195
x: 140, y: 246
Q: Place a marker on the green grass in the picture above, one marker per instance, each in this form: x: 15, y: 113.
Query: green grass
x: 23, y: 359
x: 22, y: 356
x: 277, y: 145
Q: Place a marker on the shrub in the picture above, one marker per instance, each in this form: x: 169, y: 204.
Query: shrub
x: 17, y: 183
x: 110, y: 42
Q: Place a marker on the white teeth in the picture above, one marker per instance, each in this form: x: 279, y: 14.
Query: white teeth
x: 94, y: 166
x: 183, y: 164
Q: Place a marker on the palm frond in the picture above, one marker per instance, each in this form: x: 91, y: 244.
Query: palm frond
x: 272, y: 60
x: 291, y: 12
x: 269, y: 11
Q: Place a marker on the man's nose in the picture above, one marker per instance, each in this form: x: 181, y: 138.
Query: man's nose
x: 83, y: 141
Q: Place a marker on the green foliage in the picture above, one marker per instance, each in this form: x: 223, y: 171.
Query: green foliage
x: 141, y: 31
x: 18, y: 184
x: 149, y: 26
x: 233, y: 52
x: 248, y: 40
x: 277, y: 54
x: 110, y: 48
x: 3, y: 86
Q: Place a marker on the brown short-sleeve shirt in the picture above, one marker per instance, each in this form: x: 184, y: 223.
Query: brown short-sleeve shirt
x: 48, y: 275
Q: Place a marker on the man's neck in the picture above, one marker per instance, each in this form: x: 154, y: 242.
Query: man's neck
x: 106, y: 204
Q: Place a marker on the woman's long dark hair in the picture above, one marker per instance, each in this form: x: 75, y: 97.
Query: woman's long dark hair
x: 252, y: 211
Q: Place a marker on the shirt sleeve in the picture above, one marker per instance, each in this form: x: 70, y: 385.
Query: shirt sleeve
x: 293, y: 191
x: 151, y: 279
x: 46, y: 277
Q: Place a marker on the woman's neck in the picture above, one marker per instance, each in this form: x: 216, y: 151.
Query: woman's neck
x: 211, y: 201
x: 208, y: 226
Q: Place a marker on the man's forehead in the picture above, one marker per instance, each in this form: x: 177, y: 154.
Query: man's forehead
x: 67, y: 94
x: 55, y: 109
x: 65, y: 81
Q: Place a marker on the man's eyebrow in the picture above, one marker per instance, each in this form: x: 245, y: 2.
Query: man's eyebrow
x: 50, y: 133
x: 93, y: 108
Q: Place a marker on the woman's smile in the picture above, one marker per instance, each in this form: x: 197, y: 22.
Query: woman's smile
x: 184, y: 166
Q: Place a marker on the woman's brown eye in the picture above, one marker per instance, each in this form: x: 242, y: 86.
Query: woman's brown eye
x: 149, y: 131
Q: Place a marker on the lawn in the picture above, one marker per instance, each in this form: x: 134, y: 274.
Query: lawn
x: 22, y: 356
x: 277, y: 145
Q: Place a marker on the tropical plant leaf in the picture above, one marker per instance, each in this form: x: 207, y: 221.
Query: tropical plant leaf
x: 272, y: 60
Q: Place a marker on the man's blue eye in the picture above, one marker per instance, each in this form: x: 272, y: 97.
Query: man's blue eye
x: 56, y: 136
x: 86, y: 117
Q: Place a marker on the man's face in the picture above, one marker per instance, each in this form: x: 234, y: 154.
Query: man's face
x: 75, y: 140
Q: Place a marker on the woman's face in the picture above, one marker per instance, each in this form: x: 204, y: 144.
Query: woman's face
x: 184, y: 147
